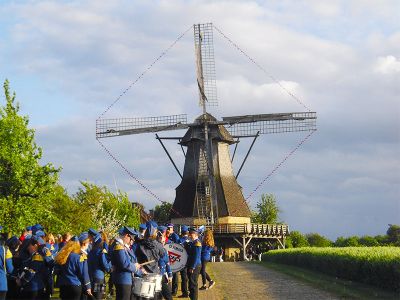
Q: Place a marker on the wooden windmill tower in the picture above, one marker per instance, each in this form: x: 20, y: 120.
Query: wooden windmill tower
x: 209, y: 192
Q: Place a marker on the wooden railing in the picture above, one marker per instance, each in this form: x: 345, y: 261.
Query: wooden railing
x: 251, y: 229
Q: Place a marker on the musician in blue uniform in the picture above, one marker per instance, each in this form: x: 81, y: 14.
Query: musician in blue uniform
x: 98, y: 264
x: 34, y: 271
x: 163, y: 264
x: 73, y: 274
x: 172, y: 237
x: 124, y: 263
x: 184, y: 240
x: 6, y: 266
x: 194, y: 263
x: 13, y: 244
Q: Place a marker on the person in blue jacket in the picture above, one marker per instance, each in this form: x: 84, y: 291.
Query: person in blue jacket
x: 73, y: 274
x: 163, y: 264
x: 124, y: 263
x: 6, y: 267
x: 172, y: 237
x: 34, y: 272
x: 184, y: 240
x: 194, y: 263
x: 207, y: 247
x: 98, y: 264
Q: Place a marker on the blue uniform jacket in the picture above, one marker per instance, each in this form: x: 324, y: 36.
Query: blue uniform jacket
x: 206, y: 253
x: 35, y: 273
x: 194, y: 254
x: 163, y: 264
x: 75, y: 271
x: 98, y: 263
x: 123, y: 261
x: 173, y: 238
x: 5, y: 260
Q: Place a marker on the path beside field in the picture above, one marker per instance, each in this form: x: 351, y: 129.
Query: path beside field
x: 242, y: 280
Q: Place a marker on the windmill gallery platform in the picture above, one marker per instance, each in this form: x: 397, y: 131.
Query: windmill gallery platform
x: 235, y: 238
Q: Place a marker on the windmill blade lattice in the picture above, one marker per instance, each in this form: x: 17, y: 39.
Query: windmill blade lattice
x: 204, y: 49
x: 124, y: 126
x: 250, y: 125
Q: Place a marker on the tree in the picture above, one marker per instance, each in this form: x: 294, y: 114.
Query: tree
x: 101, y: 209
x: 267, y: 210
x: 368, y: 241
x: 393, y: 234
x: 24, y: 183
x: 317, y: 240
x: 162, y: 212
x: 297, y: 239
x: 352, y: 241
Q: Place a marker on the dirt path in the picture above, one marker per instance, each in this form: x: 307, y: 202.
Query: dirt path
x: 241, y: 280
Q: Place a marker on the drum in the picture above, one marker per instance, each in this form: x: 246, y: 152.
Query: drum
x: 144, y: 287
x: 157, y: 279
x: 177, y: 256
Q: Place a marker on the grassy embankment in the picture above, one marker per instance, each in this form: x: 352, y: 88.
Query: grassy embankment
x: 350, y: 272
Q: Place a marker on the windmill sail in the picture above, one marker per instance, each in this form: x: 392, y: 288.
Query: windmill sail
x: 205, y: 63
x: 125, y: 126
x: 249, y: 125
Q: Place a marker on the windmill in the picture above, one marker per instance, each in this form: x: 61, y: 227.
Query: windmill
x: 209, y: 192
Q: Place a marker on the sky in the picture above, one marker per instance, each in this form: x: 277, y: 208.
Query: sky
x: 68, y: 61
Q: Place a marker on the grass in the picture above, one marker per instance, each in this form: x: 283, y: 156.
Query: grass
x: 342, y: 288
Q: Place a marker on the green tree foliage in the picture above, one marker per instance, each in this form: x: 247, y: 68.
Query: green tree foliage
x: 368, y: 241
x: 317, y: 240
x: 25, y: 184
x: 162, y: 212
x: 267, y: 210
x: 297, y: 240
x: 101, y: 209
x: 393, y: 234
x: 352, y: 241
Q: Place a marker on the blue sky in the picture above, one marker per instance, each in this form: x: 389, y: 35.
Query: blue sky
x: 68, y: 60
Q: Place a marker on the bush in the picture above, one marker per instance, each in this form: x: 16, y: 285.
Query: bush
x: 379, y: 266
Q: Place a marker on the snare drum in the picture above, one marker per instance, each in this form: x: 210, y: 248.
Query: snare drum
x: 144, y: 287
x: 157, y: 279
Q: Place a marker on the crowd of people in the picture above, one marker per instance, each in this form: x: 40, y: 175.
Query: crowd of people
x: 35, y: 263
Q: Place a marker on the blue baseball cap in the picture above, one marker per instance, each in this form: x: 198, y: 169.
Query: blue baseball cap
x: 184, y: 228
x: 93, y: 232
x: 83, y: 236
x: 29, y: 228
x: 151, y: 228
x: 13, y: 242
x: 75, y: 239
x: 39, y: 233
x: 169, y: 225
x: 38, y: 239
x: 128, y: 230
x: 162, y: 229
x: 192, y: 229
x: 97, y: 239
x: 142, y: 226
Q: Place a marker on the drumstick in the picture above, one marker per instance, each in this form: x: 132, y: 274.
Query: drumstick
x: 147, y: 262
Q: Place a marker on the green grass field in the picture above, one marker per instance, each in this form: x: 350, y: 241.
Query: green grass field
x: 379, y: 266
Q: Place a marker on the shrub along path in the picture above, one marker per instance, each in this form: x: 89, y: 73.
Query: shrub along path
x: 243, y: 280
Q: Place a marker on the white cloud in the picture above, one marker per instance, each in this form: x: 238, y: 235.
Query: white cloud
x: 388, y: 65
